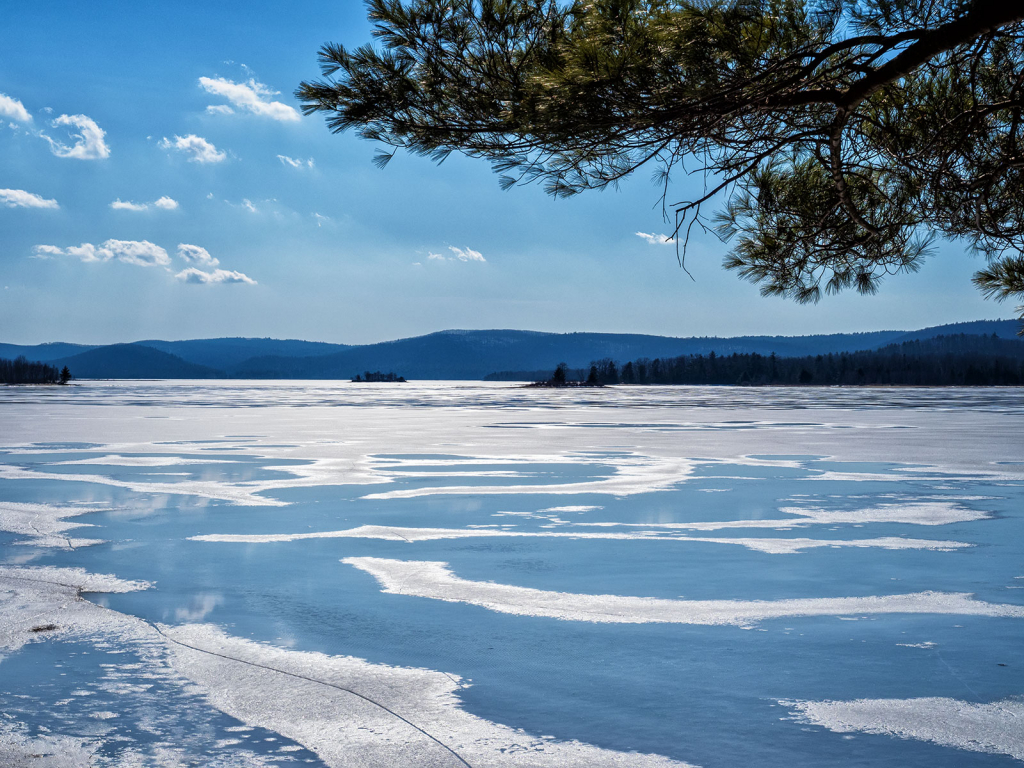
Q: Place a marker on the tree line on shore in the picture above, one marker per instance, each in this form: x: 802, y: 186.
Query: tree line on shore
x: 960, y: 360
x: 21, y: 370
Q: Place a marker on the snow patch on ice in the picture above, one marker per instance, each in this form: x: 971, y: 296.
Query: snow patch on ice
x: 774, y: 546
x: 435, y: 580
x: 634, y: 473
x: 913, y: 513
x: 37, y: 603
x: 993, y: 728
x: 116, y: 460
x: 47, y: 750
x: 45, y: 523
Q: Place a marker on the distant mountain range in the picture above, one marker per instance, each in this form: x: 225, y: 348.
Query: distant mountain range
x: 442, y: 355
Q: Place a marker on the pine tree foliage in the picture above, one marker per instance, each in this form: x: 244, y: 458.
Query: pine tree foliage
x: 840, y: 136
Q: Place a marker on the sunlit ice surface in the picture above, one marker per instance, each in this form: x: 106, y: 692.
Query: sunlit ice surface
x: 457, y: 573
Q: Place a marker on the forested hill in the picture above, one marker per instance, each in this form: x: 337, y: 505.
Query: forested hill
x: 442, y: 355
x: 958, y: 360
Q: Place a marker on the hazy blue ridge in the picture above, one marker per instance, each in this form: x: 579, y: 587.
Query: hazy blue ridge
x: 133, y: 361
x: 43, y: 352
x: 454, y: 354
x: 227, y: 352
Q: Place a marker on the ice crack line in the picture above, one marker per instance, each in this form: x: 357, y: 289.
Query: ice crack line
x: 367, y: 699
x: 155, y: 628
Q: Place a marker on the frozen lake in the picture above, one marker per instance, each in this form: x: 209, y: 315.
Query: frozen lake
x: 452, y: 574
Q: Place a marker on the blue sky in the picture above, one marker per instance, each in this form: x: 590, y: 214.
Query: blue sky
x: 130, y: 129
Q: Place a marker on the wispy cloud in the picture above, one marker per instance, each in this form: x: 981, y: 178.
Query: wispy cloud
x: 128, y: 205
x: 248, y: 205
x: 199, y: 277
x: 295, y: 162
x: 320, y: 219
x: 198, y: 149
x: 194, y: 254
x: 19, y: 198
x: 250, y: 96
x: 88, y: 138
x: 12, y: 109
x: 652, y: 239
x: 458, y: 254
x: 164, y: 203
x: 466, y: 254
x: 220, y: 109
x: 46, y: 251
x: 141, y: 253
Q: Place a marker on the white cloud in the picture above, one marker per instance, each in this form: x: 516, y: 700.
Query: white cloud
x: 193, y: 254
x: 199, y: 277
x: 13, y: 109
x: 295, y: 162
x: 19, y: 198
x: 128, y: 205
x: 46, y: 251
x: 166, y: 203
x: 247, y: 204
x: 459, y: 254
x: 320, y: 219
x: 139, y: 252
x: 85, y: 252
x: 197, y: 148
x: 467, y: 254
x: 251, y: 96
x: 220, y: 109
x: 656, y: 239
x: 89, y: 143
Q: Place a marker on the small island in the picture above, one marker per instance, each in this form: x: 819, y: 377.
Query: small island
x: 374, y: 377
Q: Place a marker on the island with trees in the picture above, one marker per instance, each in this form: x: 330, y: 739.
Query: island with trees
x: 376, y: 377
x: 21, y: 370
